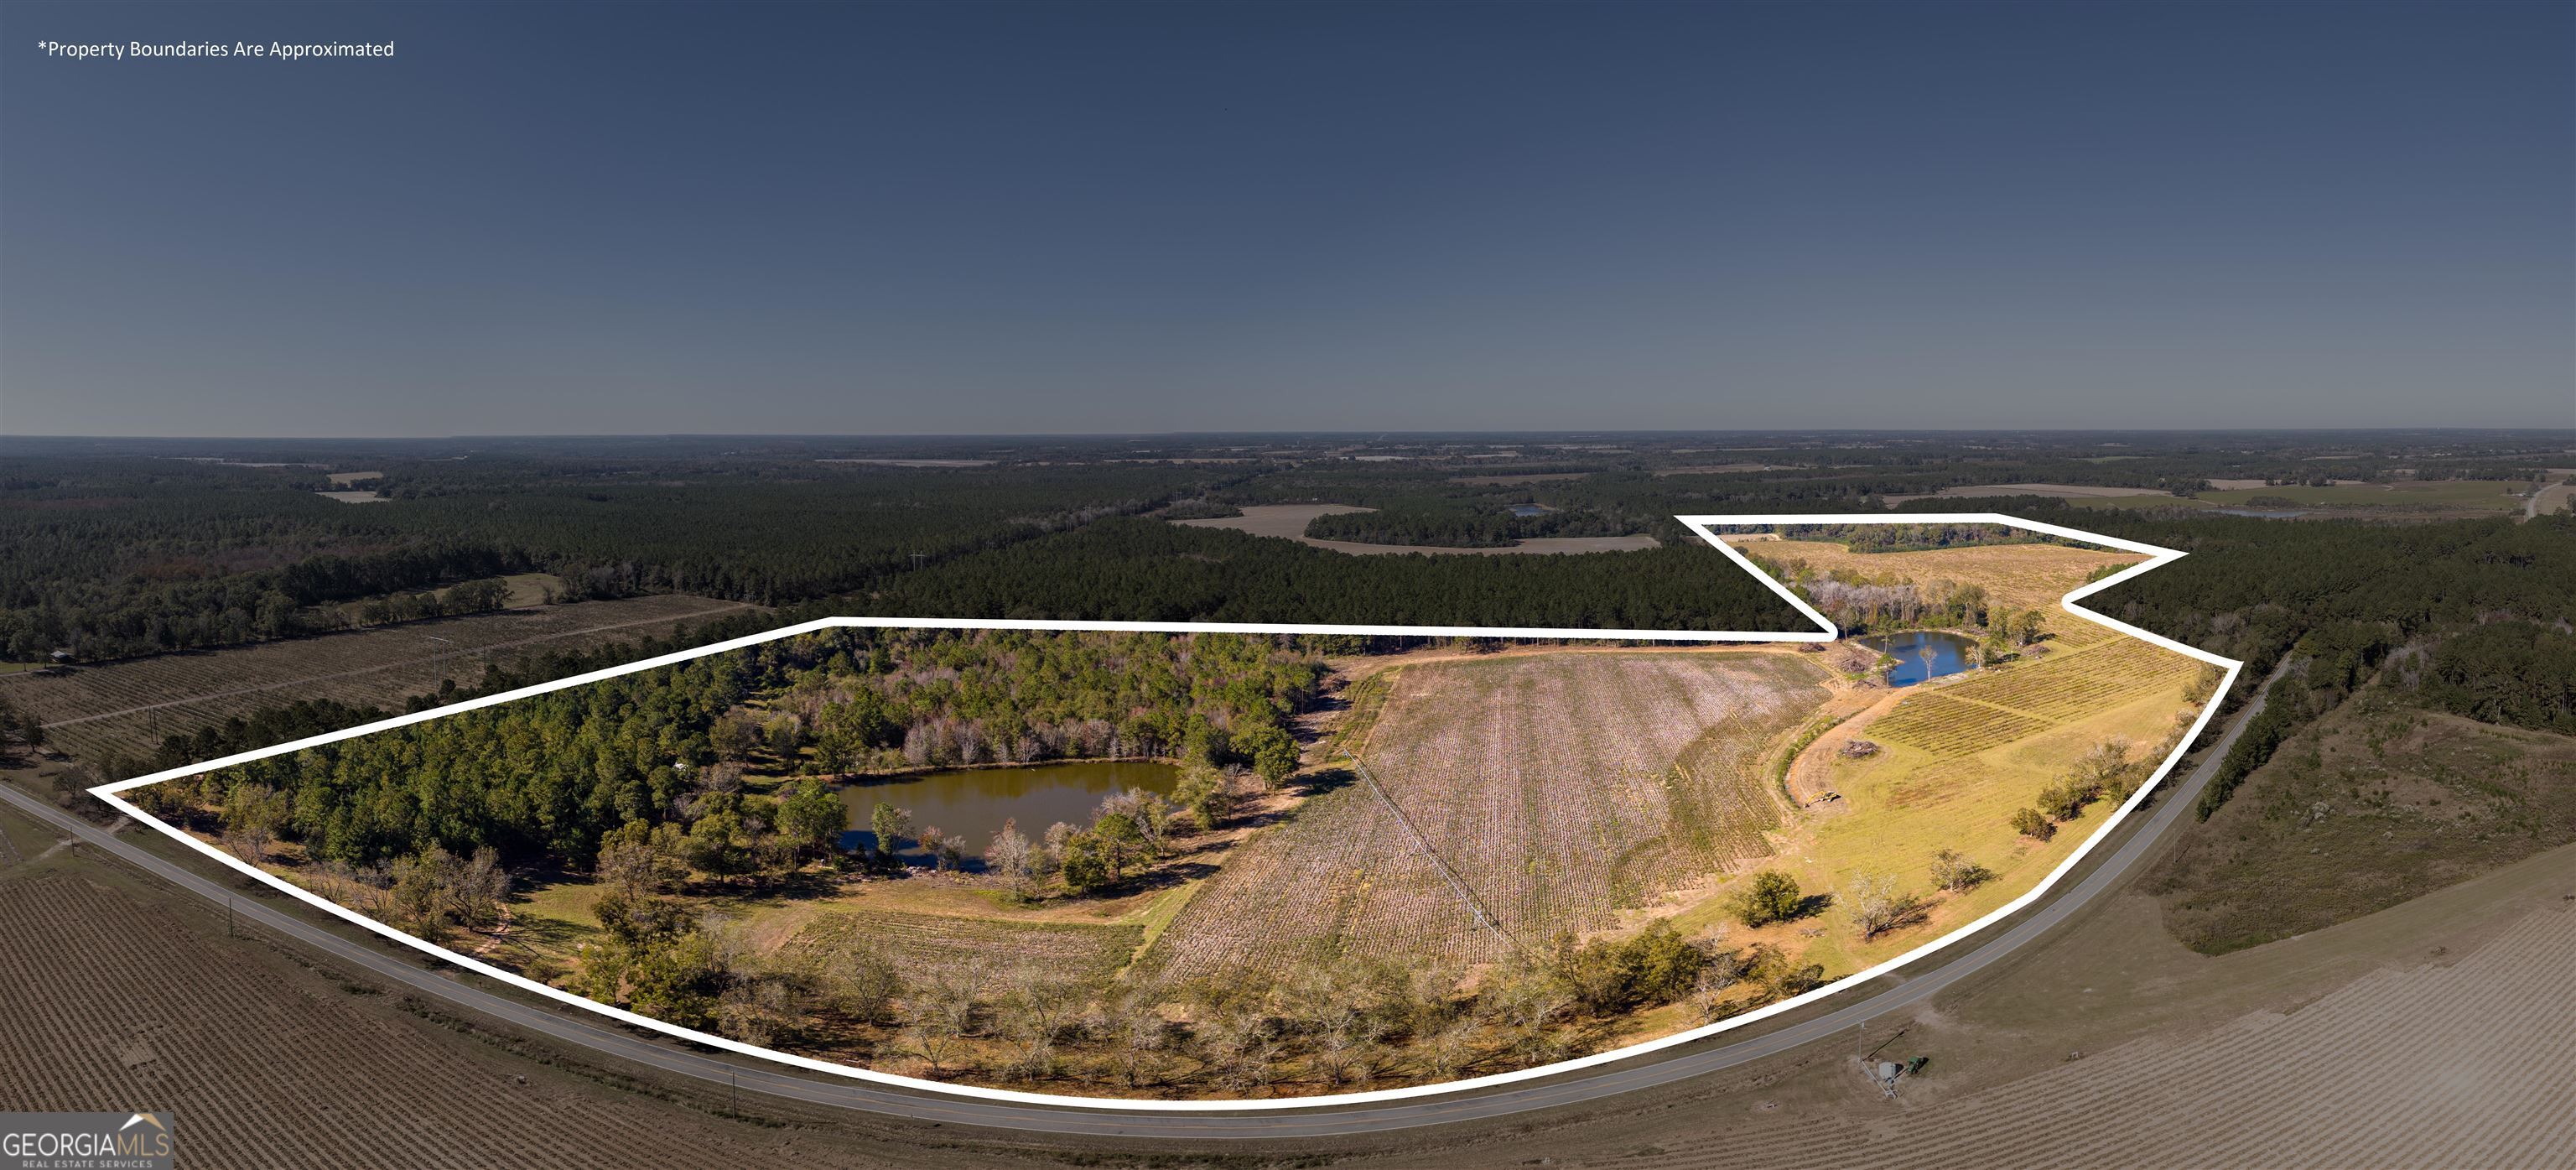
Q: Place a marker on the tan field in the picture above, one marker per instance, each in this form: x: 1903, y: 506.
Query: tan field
x: 2022, y: 576
x: 1955, y: 758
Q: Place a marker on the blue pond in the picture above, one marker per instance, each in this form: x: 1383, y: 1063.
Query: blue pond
x: 1921, y: 656
x: 1531, y: 509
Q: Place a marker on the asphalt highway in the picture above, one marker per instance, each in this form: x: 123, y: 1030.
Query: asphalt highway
x: 1679, y: 1064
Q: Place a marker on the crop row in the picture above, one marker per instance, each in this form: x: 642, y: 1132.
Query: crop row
x: 1342, y: 879
x: 1937, y: 723
x: 2078, y: 683
x: 117, y: 1002
x: 1528, y: 774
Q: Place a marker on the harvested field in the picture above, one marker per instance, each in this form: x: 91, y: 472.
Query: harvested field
x: 1556, y: 789
x: 130, y: 706
x: 2022, y: 576
x: 1288, y: 521
x: 921, y: 942
x: 1343, y: 879
x: 118, y: 1003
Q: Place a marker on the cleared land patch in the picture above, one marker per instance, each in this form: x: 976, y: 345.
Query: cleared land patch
x: 91, y: 711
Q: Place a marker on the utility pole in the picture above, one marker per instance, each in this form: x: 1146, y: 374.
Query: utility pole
x: 437, y: 663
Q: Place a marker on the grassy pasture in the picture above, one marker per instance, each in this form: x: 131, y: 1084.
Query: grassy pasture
x: 1955, y: 760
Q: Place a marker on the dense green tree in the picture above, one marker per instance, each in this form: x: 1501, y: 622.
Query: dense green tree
x: 1772, y: 896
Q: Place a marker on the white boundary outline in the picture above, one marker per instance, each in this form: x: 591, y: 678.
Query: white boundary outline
x: 1700, y: 524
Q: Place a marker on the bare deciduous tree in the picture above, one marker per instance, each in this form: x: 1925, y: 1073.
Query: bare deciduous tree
x: 1878, y: 905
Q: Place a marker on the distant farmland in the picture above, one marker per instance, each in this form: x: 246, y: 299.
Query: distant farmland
x: 1555, y: 789
x: 93, y: 711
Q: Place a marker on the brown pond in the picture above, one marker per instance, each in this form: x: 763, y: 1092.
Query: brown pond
x: 974, y: 802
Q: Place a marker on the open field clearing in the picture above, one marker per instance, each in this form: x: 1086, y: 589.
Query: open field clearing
x: 1555, y: 789
x: 2064, y: 491
x: 1952, y: 761
x: 2412, y: 495
x: 2023, y: 576
x: 1344, y: 878
x: 130, y: 706
x: 1288, y: 521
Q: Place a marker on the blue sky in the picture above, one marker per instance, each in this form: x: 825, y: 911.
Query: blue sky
x: 957, y: 218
